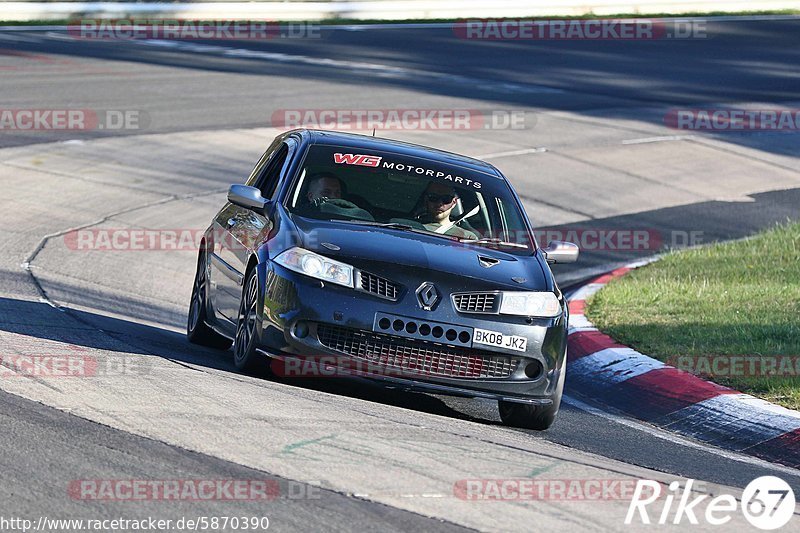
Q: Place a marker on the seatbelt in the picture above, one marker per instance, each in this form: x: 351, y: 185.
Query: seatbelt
x: 444, y: 227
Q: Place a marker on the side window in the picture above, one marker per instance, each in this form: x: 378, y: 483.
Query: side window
x: 269, y: 154
x: 514, y: 228
x: 268, y: 180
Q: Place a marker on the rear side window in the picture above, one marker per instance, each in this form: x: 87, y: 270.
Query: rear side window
x: 268, y: 180
x: 268, y: 155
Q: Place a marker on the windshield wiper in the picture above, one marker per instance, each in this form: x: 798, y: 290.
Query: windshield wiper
x: 498, y: 242
x: 391, y: 225
x: 402, y: 227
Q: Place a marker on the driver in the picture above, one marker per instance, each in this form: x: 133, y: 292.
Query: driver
x: 439, y: 201
x: 324, y: 195
x: 324, y: 185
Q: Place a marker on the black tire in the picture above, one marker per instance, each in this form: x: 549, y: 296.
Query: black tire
x: 245, y: 357
x: 197, y: 330
x: 538, y: 417
x: 527, y: 416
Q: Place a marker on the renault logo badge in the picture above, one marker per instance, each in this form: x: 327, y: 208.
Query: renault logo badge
x: 427, y: 296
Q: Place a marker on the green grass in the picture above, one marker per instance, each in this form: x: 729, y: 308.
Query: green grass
x: 537, y: 17
x: 735, y: 298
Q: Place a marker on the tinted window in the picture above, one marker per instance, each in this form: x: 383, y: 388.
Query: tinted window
x: 268, y: 180
x: 258, y: 170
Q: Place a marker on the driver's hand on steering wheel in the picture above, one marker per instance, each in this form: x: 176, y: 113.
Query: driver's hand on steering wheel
x: 339, y: 202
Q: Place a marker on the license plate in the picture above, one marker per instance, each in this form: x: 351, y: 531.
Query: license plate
x: 495, y: 338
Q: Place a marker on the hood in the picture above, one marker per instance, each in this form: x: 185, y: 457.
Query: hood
x: 374, y: 247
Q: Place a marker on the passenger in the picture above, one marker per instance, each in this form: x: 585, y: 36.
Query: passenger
x: 439, y: 201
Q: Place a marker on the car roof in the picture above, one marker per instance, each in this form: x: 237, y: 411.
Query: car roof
x: 354, y: 140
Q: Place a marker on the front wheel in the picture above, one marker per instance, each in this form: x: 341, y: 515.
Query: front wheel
x: 523, y: 415
x: 538, y: 417
x: 245, y: 356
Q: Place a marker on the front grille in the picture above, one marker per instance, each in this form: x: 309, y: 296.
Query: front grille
x: 477, y: 302
x: 378, y: 286
x: 415, y: 357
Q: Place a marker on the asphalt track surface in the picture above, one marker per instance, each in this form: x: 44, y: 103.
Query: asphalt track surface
x: 594, y: 154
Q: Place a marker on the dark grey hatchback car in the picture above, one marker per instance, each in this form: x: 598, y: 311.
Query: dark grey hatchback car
x: 391, y: 261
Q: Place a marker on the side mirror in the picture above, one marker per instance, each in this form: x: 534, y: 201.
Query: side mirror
x: 561, y: 252
x: 247, y: 197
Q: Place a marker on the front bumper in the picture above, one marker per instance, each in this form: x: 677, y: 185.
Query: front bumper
x: 299, y: 310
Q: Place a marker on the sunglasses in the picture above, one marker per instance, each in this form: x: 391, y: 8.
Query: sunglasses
x: 440, y: 198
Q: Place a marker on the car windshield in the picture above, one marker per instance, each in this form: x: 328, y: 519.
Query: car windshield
x: 371, y: 187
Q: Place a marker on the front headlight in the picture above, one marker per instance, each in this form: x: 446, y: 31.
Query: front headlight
x: 538, y: 304
x: 317, y: 266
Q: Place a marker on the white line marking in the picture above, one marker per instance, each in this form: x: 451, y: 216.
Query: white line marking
x: 675, y: 439
x: 579, y: 322
x: 615, y: 365
x: 663, y: 138
x: 377, y: 69
x: 643, y: 262
x: 513, y: 152
x: 764, y: 405
x: 586, y: 291
x: 59, y: 36
x: 752, y: 410
x: 580, y: 329
x: 449, y: 25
